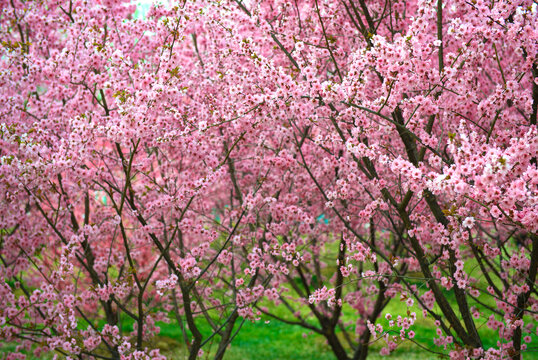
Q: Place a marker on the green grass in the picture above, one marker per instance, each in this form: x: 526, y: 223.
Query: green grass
x: 274, y: 340
x: 271, y: 339
x: 278, y: 341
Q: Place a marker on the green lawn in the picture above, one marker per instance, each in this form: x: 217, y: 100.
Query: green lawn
x: 270, y: 339
x: 274, y: 340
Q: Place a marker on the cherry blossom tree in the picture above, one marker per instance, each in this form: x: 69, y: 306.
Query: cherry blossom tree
x: 216, y: 160
x: 402, y: 113
x: 110, y: 188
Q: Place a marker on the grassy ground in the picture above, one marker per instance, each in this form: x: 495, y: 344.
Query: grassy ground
x: 270, y: 339
x: 277, y: 341
x: 274, y: 340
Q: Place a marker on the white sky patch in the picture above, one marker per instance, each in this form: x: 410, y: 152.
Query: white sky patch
x: 143, y: 7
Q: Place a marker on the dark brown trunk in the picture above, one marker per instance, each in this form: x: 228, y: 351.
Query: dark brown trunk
x: 362, y: 350
x: 335, y: 344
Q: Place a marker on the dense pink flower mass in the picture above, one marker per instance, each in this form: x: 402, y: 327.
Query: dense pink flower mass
x: 215, y: 162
